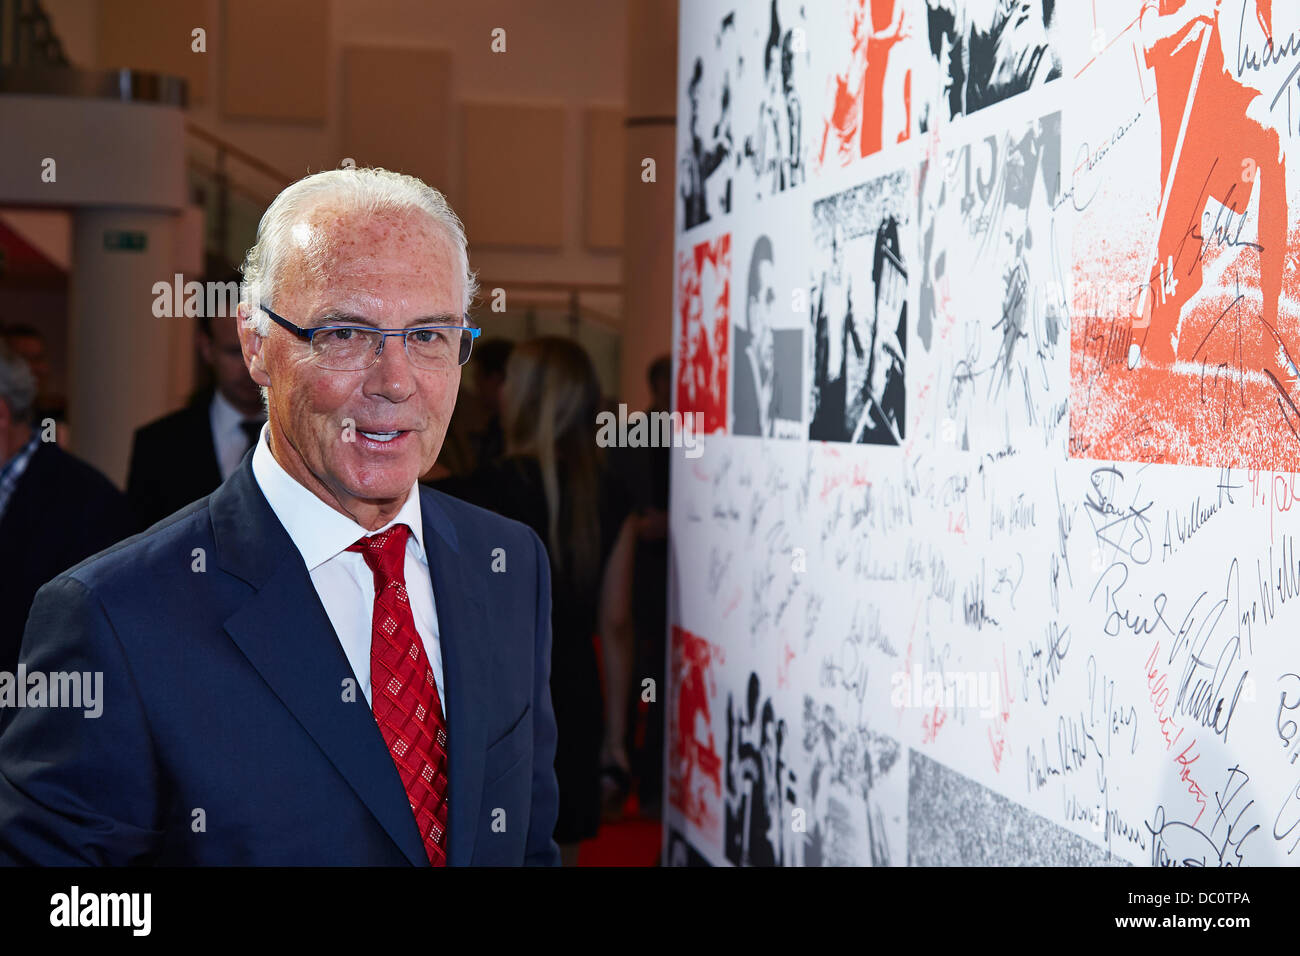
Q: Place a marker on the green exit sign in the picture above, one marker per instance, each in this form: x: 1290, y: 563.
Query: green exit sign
x: 123, y: 240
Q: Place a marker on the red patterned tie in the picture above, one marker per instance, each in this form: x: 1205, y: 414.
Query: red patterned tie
x: 404, y: 695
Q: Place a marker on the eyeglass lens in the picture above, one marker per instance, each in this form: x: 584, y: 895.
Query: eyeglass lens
x: 352, y: 349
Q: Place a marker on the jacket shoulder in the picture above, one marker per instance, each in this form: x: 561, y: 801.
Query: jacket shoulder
x: 161, y: 548
x: 55, y: 468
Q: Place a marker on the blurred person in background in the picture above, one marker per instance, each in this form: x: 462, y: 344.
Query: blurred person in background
x: 553, y: 479
x: 644, y: 473
x: 55, y: 510
x: 475, y: 436
x: 28, y: 342
x: 185, y: 455
x: 650, y: 602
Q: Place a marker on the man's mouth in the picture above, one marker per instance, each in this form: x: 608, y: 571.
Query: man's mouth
x: 381, y: 436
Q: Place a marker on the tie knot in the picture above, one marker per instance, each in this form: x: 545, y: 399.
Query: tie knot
x: 385, y: 553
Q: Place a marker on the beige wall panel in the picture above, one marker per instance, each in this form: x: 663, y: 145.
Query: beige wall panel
x: 648, y: 263
x: 607, y: 167
x: 155, y: 35
x: 275, y: 60
x: 512, y: 175
x: 652, y: 57
x: 397, y: 110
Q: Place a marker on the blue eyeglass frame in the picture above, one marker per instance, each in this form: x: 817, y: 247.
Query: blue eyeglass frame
x: 307, y: 334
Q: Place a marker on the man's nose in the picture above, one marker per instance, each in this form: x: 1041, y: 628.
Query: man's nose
x: 392, y: 376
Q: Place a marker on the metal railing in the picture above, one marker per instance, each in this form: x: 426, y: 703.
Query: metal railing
x: 589, y: 313
x: 27, y: 37
x: 233, y: 187
x: 555, y: 296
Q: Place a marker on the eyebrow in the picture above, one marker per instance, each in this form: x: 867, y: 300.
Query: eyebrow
x: 348, y: 318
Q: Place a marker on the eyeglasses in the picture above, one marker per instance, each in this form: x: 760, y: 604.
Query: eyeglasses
x: 353, y: 348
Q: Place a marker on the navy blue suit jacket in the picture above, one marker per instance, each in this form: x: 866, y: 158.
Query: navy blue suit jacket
x: 225, y: 736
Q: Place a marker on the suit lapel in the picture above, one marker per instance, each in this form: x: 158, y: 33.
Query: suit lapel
x: 286, y: 635
x: 460, y: 608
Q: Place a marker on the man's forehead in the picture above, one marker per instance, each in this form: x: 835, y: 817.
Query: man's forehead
x: 349, y: 261
x: 327, y: 232
x: 349, y: 298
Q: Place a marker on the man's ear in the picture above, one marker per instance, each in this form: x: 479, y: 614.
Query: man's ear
x: 252, y: 346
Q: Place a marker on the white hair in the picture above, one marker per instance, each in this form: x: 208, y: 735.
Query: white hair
x: 368, y: 190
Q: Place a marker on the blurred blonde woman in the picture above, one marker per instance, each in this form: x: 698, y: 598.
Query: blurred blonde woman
x: 553, y: 478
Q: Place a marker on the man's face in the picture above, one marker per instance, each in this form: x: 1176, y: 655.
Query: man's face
x: 32, y: 349
x: 390, y: 270
x: 222, y: 351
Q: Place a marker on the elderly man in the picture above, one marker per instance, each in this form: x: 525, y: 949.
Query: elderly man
x: 321, y: 662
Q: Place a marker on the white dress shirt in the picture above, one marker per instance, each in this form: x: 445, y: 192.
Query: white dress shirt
x: 228, y: 439
x: 342, y: 578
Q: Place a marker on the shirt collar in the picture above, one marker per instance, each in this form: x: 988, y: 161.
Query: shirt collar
x: 225, y: 417
x: 317, y: 530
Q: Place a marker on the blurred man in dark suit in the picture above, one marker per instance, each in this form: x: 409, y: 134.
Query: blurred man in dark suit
x: 55, y: 509
x: 184, y: 456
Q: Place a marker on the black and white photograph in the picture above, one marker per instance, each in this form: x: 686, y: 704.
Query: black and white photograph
x: 991, y: 302
x: 858, y: 301
x: 707, y: 161
x: 759, y: 784
x: 982, y: 52
x: 852, y: 769
x: 772, y: 134
x: 766, y: 360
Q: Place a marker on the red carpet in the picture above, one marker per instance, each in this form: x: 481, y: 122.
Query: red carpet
x: 634, y: 841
